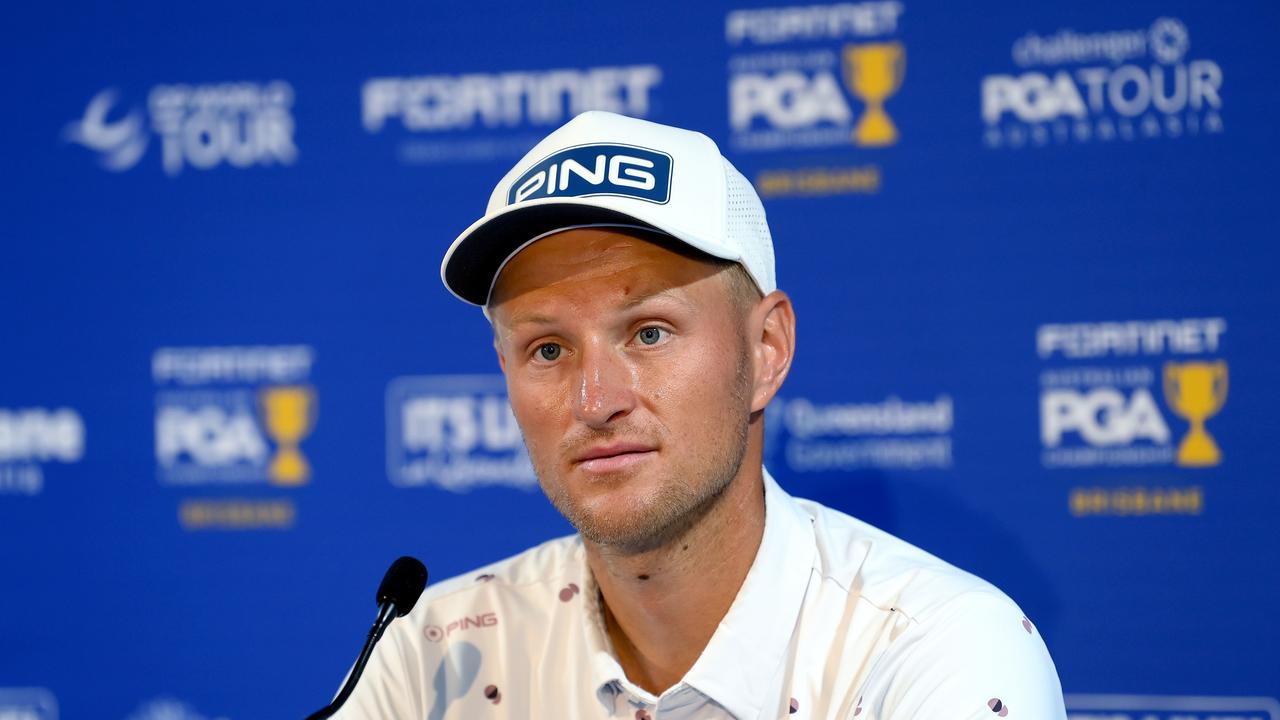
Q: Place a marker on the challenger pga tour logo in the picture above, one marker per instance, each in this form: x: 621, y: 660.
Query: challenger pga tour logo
x: 1080, y: 87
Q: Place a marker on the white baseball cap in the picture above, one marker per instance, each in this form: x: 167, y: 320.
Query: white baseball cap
x: 606, y: 170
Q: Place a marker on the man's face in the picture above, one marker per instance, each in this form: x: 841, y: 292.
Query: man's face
x: 629, y: 372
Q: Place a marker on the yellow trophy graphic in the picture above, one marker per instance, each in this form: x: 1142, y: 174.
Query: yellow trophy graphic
x: 289, y: 414
x: 1196, y: 391
x: 874, y: 72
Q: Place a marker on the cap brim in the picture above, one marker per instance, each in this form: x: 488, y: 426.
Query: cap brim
x: 478, y: 254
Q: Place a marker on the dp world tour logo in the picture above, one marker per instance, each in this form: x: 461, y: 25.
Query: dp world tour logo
x: 241, y: 124
x: 599, y: 169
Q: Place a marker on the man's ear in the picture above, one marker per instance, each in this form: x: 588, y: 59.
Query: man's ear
x: 502, y: 359
x: 773, y: 343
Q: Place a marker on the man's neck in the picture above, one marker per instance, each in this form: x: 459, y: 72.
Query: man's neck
x: 661, y: 607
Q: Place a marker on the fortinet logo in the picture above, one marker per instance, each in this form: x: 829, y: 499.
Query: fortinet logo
x: 598, y: 169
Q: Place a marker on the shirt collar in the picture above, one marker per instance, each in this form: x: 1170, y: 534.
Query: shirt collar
x: 740, y: 664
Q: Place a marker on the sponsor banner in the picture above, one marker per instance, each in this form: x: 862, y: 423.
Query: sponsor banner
x: 1073, y: 87
x: 1170, y: 707
x: 890, y: 434
x: 232, y: 418
x: 1132, y: 396
x: 454, y: 432
x: 167, y: 708
x: 27, y: 704
x: 475, y: 117
x: 241, y: 124
x: 815, y: 77
x: 32, y: 438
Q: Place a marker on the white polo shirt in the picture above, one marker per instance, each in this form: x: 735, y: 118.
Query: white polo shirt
x: 836, y: 619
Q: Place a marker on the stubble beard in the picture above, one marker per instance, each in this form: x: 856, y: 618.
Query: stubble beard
x: 677, y: 503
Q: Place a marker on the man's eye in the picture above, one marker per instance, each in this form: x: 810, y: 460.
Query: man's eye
x: 650, y: 335
x: 549, y: 351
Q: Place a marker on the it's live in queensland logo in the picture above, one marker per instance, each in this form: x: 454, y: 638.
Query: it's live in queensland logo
x: 1105, y: 86
x: 476, y: 117
x: 231, y: 422
x: 454, y: 432
x: 808, y: 77
x: 1120, y: 395
x: 240, y: 124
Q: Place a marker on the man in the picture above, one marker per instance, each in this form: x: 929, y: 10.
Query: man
x: 627, y: 270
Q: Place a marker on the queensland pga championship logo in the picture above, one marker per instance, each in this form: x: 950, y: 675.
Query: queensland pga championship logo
x: 1078, y: 87
x: 814, y: 76
x: 240, y: 124
x: 1133, y: 393
x: 233, y: 415
x: 454, y: 432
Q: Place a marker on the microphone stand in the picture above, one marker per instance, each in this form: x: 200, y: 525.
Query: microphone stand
x: 386, y: 613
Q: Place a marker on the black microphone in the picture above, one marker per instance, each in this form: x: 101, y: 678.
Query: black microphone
x: 398, y: 593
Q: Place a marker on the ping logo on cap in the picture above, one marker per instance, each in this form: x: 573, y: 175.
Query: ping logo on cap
x: 599, y: 169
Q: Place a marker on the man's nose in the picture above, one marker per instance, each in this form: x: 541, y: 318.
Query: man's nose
x: 605, y: 387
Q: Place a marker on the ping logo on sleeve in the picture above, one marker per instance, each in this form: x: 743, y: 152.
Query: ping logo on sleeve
x: 598, y: 169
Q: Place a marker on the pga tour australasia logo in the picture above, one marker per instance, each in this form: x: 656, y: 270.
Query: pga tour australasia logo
x: 454, y: 432
x: 1081, y: 87
x: 241, y: 124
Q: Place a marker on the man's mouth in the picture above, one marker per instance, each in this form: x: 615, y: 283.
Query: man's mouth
x: 613, y: 457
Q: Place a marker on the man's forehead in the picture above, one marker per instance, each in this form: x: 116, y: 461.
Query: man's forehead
x: 625, y: 267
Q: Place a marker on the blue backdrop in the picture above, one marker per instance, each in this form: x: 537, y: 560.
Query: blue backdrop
x: 1032, y: 250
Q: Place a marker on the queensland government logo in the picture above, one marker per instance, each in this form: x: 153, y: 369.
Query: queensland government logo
x: 1133, y: 393
x: 32, y: 438
x: 454, y: 432
x: 888, y: 434
x: 233, y: 417
x: 240, y: 124
x: 1078, y: 87
x: 815, y: 76
x: 475, y: 117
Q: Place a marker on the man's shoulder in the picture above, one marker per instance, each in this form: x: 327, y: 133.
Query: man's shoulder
x: 875, y: 567
x: 556, y: 561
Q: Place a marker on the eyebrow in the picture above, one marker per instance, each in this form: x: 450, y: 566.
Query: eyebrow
x: 669, y: 293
